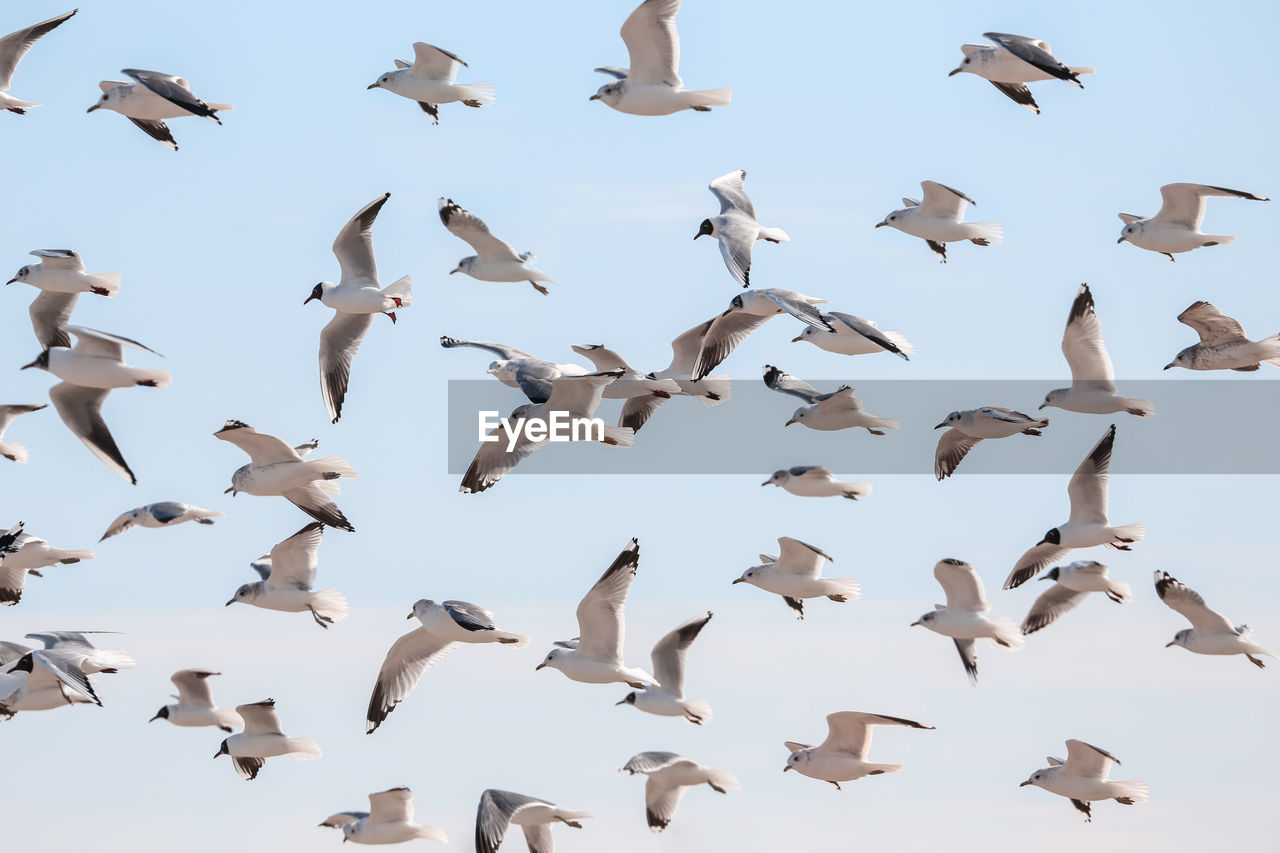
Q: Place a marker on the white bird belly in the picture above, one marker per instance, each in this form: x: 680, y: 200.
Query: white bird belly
x: 1158, y: 238
x: 60, y: 281
x: 656, y: 100
x: 502, y: 271
x: 284, y: 599
x: 92, y: 372
x: 833, y: 768
x: 144, y: 104
x: 424, y: 89
x: 275, y: 479
x: 660, y: 703
x: 357, y: 300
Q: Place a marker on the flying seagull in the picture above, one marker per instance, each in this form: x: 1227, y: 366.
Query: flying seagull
x: 1223, y: 343
x: 153, y: 97
x: 1210, y: 632
x: 430, y: 80
x: 1176, y: 228
x: 1082, y: 778
x: 842, y: 757
x: 670, y: 775
x: 939, y: 220
x: 494, y: 259
x: 15, y: 46
x: 60, y: 277
x: 736, y: 227
x: 1015, y: 61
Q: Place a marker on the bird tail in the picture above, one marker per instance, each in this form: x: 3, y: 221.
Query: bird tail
x: 104, y: 659
x: 1141, y: 408
x: 848, y: 588
x: 402, y: 289
x: 1119, y: 591
x: 1132, y: 532
x: 877, y: 769
x: 701, y: 709
x: 518, y: 641
x: 886, y: 423
x: 67, y: 557
x: 15, y: 451
x: 108, y: 281
x: 900, y: 342
x: 477, y: 94
x: 1007, y: 633
x: 720, y: 385
x: 989, y: 232
x: 332, y: 465
x: 722, y: 779
x: 209, y: 513
x: 221, y: 107
x: 619, y: 436
x: 21, y: 105
x: 710, y: 97
x: 152, y: 378
x: 1130, y: 791
x: 330, y: 603
x: 1272, y: 345
x: 776, y: 235
x: 303, y: 748
x: 562, y: 814
x: 1217, y: 240
x: 431, y: 833
x: 853, y: 491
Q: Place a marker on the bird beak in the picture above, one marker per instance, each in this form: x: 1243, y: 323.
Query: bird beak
x: 1042, y: 405
x: 766, y: 482
x: 92, y: 108
x: 1170, y: 364
x: 790, y: 422
x: 1121, y: 240
x: 1024, y: 784
x: 11, y: 281
x: 1170, y: 643
x: 696, y: 236
x: 739, y: 580
x: 882, y: 222
x: 454, y: 270
x: 623, y: 702
x: 785, y: 769
x: 1044, y: 578
x: 941, y: 425
x: 229, y: 603
x: 308, y: 299
x: 217, y: 754
x: 367, y: 88
x: 797, y: 339
x: 594, y: 98
x: 539, y: 666
x: 153, y: 719
x: 410, y: 616
x: 25, y: 366
x: 915, y: 623
x: 955, y: 72
x: 231, y: 491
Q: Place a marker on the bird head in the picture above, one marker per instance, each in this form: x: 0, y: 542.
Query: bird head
x: 162, y: 714
x: 222, y: 750
x: 20, y: 275
x: 1051, y: 575
x: 1052, y: 537
x: 706, y: 229
x: 1180, y: 638
x: 926, y: 620
x: 42, y: 361
x: 610, y: 93
x: 1055, y: 398
x: 317, y: 292
x: 420, y: 608
x: 629, y: 699
x: 950, y: 420
x: 778, y: 478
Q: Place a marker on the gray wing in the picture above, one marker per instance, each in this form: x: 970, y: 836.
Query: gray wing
x: 49, y: 312
x: 730, y: 192
x: 1049, y: 606
x: 193, y: 687
x: 613, y: 71
x: 1088, y: 486
x: 653, y: 43
x: 15, y: 46
x: 669, y: 652
x: 686, y: 348
x: 736, y: 239
x: 602, y: 612
x: 651, y: 762
x: 494, y: 815
x: 174, y: 90
x: 796, y: 306
x: 96, y: 343
x: 1185, y: 600
x: 722, y: 338
x: 12, y: 582
x: 403, y: 666
x: 341, y: 819
x: 502, y: 351
x: 868, y: 330
x: 51, y: 666
x: 339, y: 341
x: 470, y: 616
x: 12, y: 411
x: 778, y: 380
x: 536, y: 379
x: 1019, y: 94
x: 1031, y: 52
x: 166, y: 511
x: 493, y: 461
x: 10, y: 652
x: 952, y: 448
x: 968, y: 650
x: 636, y: 411
x: 294, y: 561
x: 1033, y: 561
x: 353, y: 246
x: 156, y: 129
x: 465, y: 225
x: 81, y: 410
x: 312, y: 500
x: 1210, y: 324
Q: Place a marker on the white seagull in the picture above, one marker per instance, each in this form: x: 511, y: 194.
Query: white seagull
x: 516, y: 368
x: 12, y: 48
x: 1176, y: 228
x: 43, y: 680
x: 1087, y: 525
x: 834, y: 410
x: 195, y: 705
x: 736, y: 227
x: 11, y: 450
x: 670, y: 775
x: 22, y: 554
x: 163, y: 514
x: 747, y: 312
x: 710, y: 391
x: 1015, y: 61
x: 500, y: 809
x: 842, y: 757
x: 278, y: 469
x: 815, y: 481
x: 1210, y: 632
x: 288, y: 574
x: 445, y: 624
x: 1093, y: 379
x: 651, y: 86
x: 853, y: 335
x: 86, y: 656
x: 796, y: 574
x: 964, y: 617
x: 1223, y: 343
x: 1073, y: 583
x: 970, y: 426
x: 595, y: 656
x: 494, y: 260
x: 1082, y: 778
x: 667, y: 698
x: 388, y: 821
x: 939, y: 220
x: 263, y: 738
x: 89, y: 371
x: 430, y: 81
x: 60, y: 278
x: 356, y: 299
x: 631, y: 383
x: 153, y: 97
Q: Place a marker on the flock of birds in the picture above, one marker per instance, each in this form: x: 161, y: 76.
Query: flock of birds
x: 59, y: 672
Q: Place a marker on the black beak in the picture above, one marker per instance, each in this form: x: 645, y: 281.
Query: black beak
x: 941, y: 425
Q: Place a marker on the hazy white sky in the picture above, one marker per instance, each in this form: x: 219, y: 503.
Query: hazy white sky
x: 839, y: 110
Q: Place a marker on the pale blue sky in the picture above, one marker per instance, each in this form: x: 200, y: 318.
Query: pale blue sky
x: 839, y: 110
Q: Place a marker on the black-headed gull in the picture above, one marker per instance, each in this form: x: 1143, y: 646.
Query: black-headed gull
x: 796, y: 574
x: 494, y: 259
x: 970, y: 426
x: 747, y: 312
x: 842, y: 757
x: 153, y: 97
x: 500, y: 809
x: 42, y: 680
x: 710, y: 391
x: 195, y: 705
x: 1223, y: 343
x: 669, y: 776
x: 736, y: 227
x: 852, y: 335
x: 834, y: 410
x: 1082, y: 778
x: 430, y: 80
x: 1176, y: 228
x: 388, y: 821
x: 939, y: 220
x: 1093, y: 378
x: 964, y: 617
x: 1015, y: 61
x: 263, y: 737
x: 1072, y: 584
x: 667, y: 698
x: 815, y: 481
x: 87, y: 656
x: 12, y: 48
x: 1210, y: 633
x: 288, y: 574
x: 61, y: 278
x: 22, y: 554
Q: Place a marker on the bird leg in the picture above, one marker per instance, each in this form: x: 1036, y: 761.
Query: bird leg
x: 837, y: 784
x: 204, y: 521
x: 540, y: 288
x: 322, y: 621
x: 575, y: 824
x: 1256, y: 662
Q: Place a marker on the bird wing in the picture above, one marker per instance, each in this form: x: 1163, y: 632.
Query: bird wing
x: 1087, y: 760
x: 493, y: 460
x: 51, y: 668
x: 81, y: 410
x: 722, y: 338
x: 579, y: 395
x: 1019, y: 94
x: 466, y: 225
x: 1088, y: 486
x: 603, y: 358
x: 1033, y: 52
x: 736, y: 238
x: 613, y: 71
x: 15, y: 46
x: 341, y: 819
x: 1183, y: 204
x: 403, y: 666
x: 869, y: 330
x: 534, y: 377
x: 160, y: 132
x: 10, y: 412
x: 729, y: 191
x: 778, y: 380
x: 471, y: 617
x: 651, y: 762
x: 662, y: 798
x: 636, y: 411
x: 798, y: 306
x: 968, y: 651
x: 103, y: 344
x: 1049, y: 606
x: 263, y: 449
x: 952, y: 448
x: 800, y: 558
x: 260, y: 718
x: 653, y: 44
x: 1032, y: 562
x: 942, y: 201
x: 1082, y: 345
x: 294, y: 561
x: 668, y: 654
x: 602, y: 612
x: 339, y: 341
x: 123, y: 522
x: 193, y: 687
x: 537, y: 837
x: 1210, y: 324
x: 434, y: 63
x: 312, y: 500
x: 494, y: 815
x: 1010, y: 416
x: 353, y: 246
x: 394, y: 805
x: 50, y: 311
x: 502, y: 351
x: 173, y: 89
x: 686, y: 348
x: 850, y: 731
x: 962, y: 585
x: 1190, y: 604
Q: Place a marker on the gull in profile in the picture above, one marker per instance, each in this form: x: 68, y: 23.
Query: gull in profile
x: 834, y: 410
x: 494, y: 260
x: 1082, y: 778
x: 388, y: 821
x: 1015, y: 61
x: 1210, y: 632
x: 710, y: 391
x: 445, y: 624
x: 86, y: 656
x: 736, y: 227
x: 1087, y: 525
x: 153, y: 97
x: 500, y: 809
x: 430, y: 80
x: 22, y: 554
x: 815, y: 481
x: 89, y: 371
x: 797, y: 574
x: 42, y: 681
x: 195, y: 705
x: 356, y: 299
x: 163, y: 514
x: 651, y: 86
x: 964, y: 617
x: 263, y: 737
x: 573, y: 399
x: 1073, y: 583
x: 670, y: 775
x: 60, y: 277
x: 280, y: 470
x: 1176, y: 228
x: 11, y: 450
x: 1223, y: 343
x: 12, y: 48
x: 852, y: 335
x: 939, y: 220
x: 631, y: 383
x: 970, y: 426
x: 747, y: 312
x: 1093, y: 379
x: 667, y: 698
x: 516, y: 368
x: 842, y: 757
x: 595, y: 655
x: 288, y: 574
